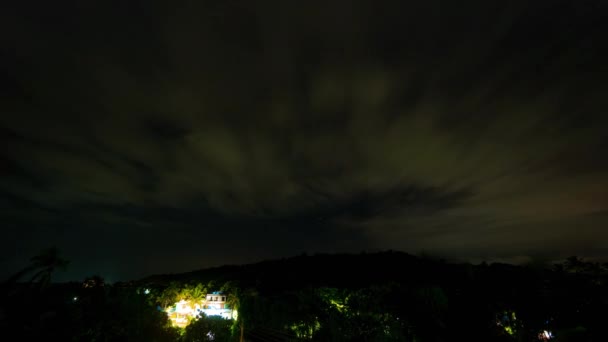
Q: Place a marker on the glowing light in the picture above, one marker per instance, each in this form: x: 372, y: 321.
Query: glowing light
x: 545, y: 335
x: 509, y: 323
x: 147, y: 291
x: 337, y: 305
x: 185, y: 311
x: 183, y: 307
x: 75, y: 299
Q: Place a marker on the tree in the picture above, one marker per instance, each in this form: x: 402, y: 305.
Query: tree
x: 116, y: 314
x: 211, y: 328
x: 169, y: 295
x: 41, y: 267
x: 574, y: 264
x: 194, y: 293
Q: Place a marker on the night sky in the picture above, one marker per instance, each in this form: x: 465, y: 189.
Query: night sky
x: 145, y: 137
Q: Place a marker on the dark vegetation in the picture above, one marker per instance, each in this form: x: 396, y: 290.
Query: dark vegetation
x: 388, y: 296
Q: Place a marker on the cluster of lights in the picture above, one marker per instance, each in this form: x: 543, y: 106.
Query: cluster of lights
x: 185, y: 311
x: 508, y: 322
x: 545, y: 335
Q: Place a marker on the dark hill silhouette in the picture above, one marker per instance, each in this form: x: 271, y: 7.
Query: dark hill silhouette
x: 339, y: 270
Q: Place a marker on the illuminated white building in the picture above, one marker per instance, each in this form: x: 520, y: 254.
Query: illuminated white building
x: 214, y: 304
x: 216, y: 300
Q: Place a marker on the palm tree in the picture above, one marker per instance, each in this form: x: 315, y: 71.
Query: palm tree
x: 197, y: 293
x: 169, y: 295
x: 41, y: 267
x: 236, y: 297
x: 233, y: 293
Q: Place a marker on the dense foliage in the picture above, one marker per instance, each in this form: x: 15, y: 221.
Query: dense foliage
x: 368, y: 297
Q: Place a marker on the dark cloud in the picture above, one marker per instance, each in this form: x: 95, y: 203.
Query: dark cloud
x: 141, y: 136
